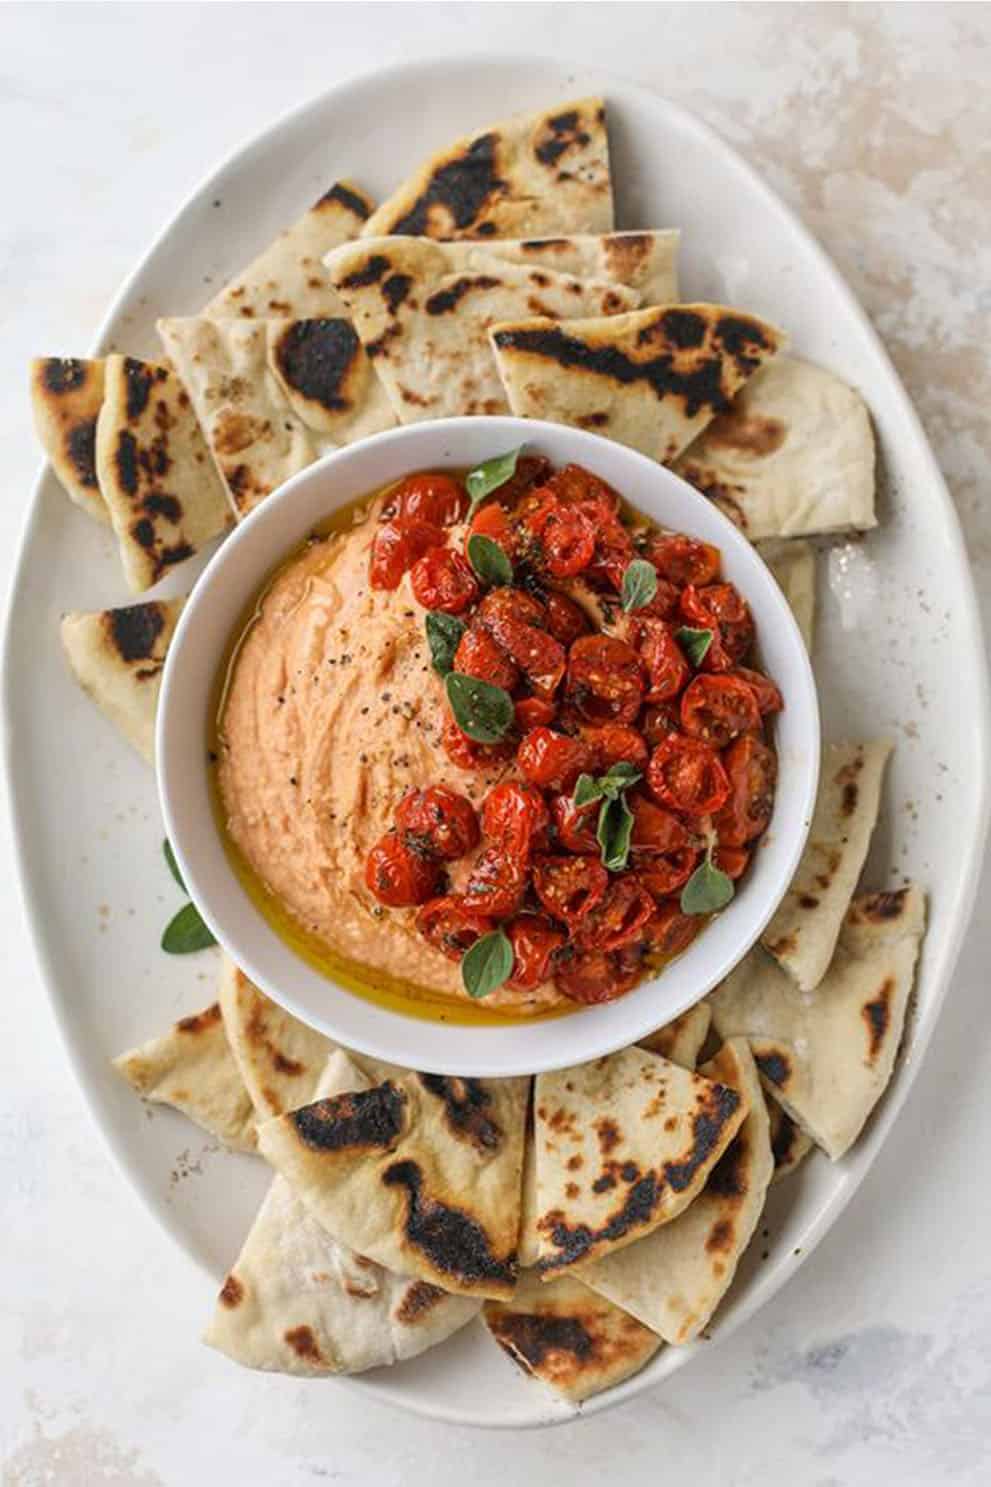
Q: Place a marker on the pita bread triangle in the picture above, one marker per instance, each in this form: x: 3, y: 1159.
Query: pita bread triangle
x: 562, y: 1333
x: 116, y: 656
x: 531, y: 175
x: 827, y: 1055
x: 645, y: 261
x: 296, y: 1301
x: 191, y: 1068
x: 280, y: 1058
x: 793, y: 457
x: 790, y: 1145
x: 681, y: 1040
x: 423, y: 310
x: 66, y: 394
x: 421, y: 1173
x: 673, y: 1280
x: 793, y: 564
x: 652, y: 379
x: 803, y: 932
x: 623, y: 1144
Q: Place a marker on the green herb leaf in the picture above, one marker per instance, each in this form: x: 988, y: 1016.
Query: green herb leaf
x: 639, y: 584
x: 488, y: 560
x: 173, y: 865
x: 186, y: 933
x: 707, y: 891
x: 587, y: 789
x: 619, y: 776
x: 487, y: 964
x: 488, y: 477
x: 694, y: 643
x: 444, y: 632
x: 613, y: 833
x: 481, y: 710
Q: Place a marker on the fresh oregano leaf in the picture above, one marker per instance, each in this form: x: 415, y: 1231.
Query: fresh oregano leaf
x: 694, y: 643
x: 613, y: 833
x: 639, y: 584
x: 487, y: 964
x: 173, y: 865
x: 482, y: 711
x: 488, y: 560
x: 444, y: 632
x: 587, y: 789
x: 619, y: 776
x: 707, y: 891
x: 488, y: 477
x: 186, y: 932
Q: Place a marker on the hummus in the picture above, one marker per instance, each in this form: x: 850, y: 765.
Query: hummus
x: 332, y: 711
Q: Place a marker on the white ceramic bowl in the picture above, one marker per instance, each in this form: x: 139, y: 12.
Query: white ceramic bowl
x: 215, y: 608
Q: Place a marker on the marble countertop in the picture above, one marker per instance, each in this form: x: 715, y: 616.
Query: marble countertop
x: 874, y: 1364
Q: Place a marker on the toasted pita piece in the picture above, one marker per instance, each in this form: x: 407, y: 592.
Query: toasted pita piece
x: 66, y: 394
x: 256, y: 439
x: 191, y: 1067
x: 161, y: 488
x: 298, y: 1302
x: 827, y: 1055
x: 561, y: 1333
x: 531, y: 175
x: 644, y: 261
x: 803, y: 932
x: 422, y: 1173
x: 673, y: 1280
x: 326, y: 378
x: 116, y: 656
x: 529, y: 1245
x: 423, y: 311
x: 793, y: 564
x: 288, y: 279
x: 624, y: 1144
x: 280, y: 1058
x: 790, y: 1145
x: 681, y: 1040
x: 793, y: 457
x: 651, y: 379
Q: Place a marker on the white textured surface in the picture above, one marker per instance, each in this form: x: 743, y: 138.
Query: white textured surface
x: 876, y: 1360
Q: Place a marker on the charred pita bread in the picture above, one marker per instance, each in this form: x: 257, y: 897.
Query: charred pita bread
x: 157, y: 478
x: 624, y: 1144
x: 644, y: 261
x: 66, y: 394
x: 803, y: 932
x: 673, y: 1280
x: 422, y: 1173
x: 280, y: 1058
x: 827, y: 1055
x: 531, y: 175
x: 423, y: 310
x: 651, y: 379
x: 789, y: 1143
x: 116, y: 656
x: 288, y: 279
x: 298, y: 1302
x: 326, y: 378
x: 794, y: 567
x: 191, y: 1067
x: 681, y: 1040
x: 793, y: 457
x: 561, y: 1333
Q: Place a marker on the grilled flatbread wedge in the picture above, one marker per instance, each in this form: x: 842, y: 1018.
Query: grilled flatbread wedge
x: 651, y: 379
x: 531, y: 175
x: 288, y: 280
x: 327, y: 379
x: 116, y: 656
x: 561, y: 1333
x: 423, y: 311
x: 803, y: 932
x: 422, y: 1173
x: 790, y: 1145
x: 280, y: 1058
x: 793, y: 457
x: 673, y: 1280
x: 161, y: 488
x: 624, y: 1144
x: 794, y: 567
x: 827, y: 1055
x: 644, y: 261
x: 681, y: 1040
x: 191, y: 1067
x: 66, y: 393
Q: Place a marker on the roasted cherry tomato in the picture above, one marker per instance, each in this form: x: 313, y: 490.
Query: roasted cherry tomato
x: 658, y: 720
x: 664, y: 604
x: 686, y: 775
x: 479, y: 655
x: 497, y: 882
x: 620, y: 917
x: 719, y: 707
x: 720, y: 607
x: 534, y: 712
x: 503, y: 605
x: 605, y: 679
x: 534, y: 940
x: 493, y: 521
x: 654, y: 828
x: 561, y: 538
x: 397, y: 546
x: 437, y: 822
x: 731, y: 860
x: 531, y: 470
x: 667, y: 669
x: 593, y: 976
x: 553, y: 760
x: 515, y: 619
x: 442, y: 580
x: 616, y: 743
x: 566, y: 620
x: 430, y: 496
x: 399, y: 877
x: 663, y: 873
x: 574, y: 483
x: 450, y: 926
x: 614, y: 550
x: 769, y: 698
x: 752, y: 769
x: 575, y: 825
x: 670, y: 931
x: 681, y: 560
x: 515, y: 818
x: 569, y: 887
x: 467, y: 754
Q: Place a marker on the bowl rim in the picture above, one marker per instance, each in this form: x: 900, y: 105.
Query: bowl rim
x: 392, y: 1036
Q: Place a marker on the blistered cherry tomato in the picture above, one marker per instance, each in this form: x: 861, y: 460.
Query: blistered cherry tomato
x: 731, y: 860
x: 680, y: 559
x: 769, y: 698
x: 575, y: 824
x: 442, y: 580
x: 429, y: 496
x: 721, y: 608
x: 515, y: 817
x: 663, y: 873
x: 616, y: 743
x: 493, y: 521
x: 614, y: 550
x: 664, y: 604
x: 397, y: 876
x: 450, y: 926
x: 534, y: 940
x: 670, y: 931
x: 437, y: 822
x: 515, y: 620
x: 658, y: 720
x: 479, y: 655
x: 531, y: 470
x: 686, y: 775
x: 562, y: 538
x: 719, y: 707
x: 467, y: 754
x: 397, y: 546
x: 575, y: 483
x: 497, y: 882
x: 506, y: 604
x: 752, y: 770
x: 667, y: 669
x: 605, y: 679
x: 553, y: 760
x: 569, y: 887
x: 654, y: 828
x: 594, y: 976
x: 534, y: 712
x: 566, y: 620
x: 620, y: 917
